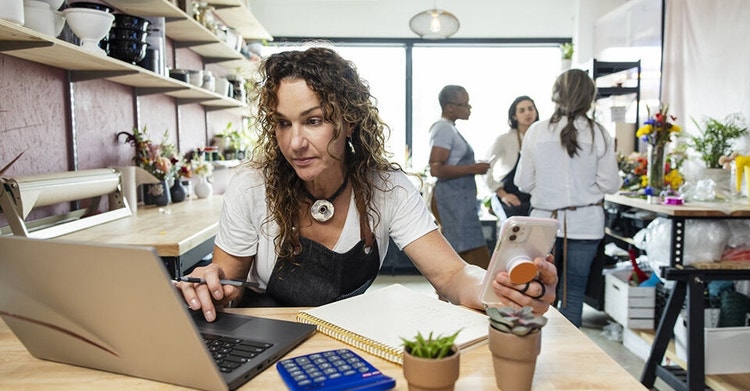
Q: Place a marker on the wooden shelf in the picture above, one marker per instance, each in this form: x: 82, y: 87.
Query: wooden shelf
x: 185, y: 31
x: 740, y: 381
x: 27, y: 44
x: 236, y: 15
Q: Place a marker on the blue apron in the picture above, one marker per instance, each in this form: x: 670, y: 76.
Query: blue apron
x: 456, y: 201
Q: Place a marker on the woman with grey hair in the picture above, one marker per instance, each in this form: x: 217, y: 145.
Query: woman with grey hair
x: 568, y: 164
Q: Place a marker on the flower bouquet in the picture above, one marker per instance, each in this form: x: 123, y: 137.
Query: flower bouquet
x: 160, y: 160
x: 657, y: 131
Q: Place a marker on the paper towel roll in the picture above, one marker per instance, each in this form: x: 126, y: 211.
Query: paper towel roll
x: 53, y: 188
x: 133, y: 176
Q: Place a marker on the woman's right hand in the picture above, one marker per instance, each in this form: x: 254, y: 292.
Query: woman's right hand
x: 207, y: 297
x: 509, y: 199
x: 481, y: 168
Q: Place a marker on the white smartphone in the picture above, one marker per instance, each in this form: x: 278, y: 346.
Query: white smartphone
x: 521, y: 239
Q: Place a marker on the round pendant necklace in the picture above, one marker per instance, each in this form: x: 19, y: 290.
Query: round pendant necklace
x: 322, y: 210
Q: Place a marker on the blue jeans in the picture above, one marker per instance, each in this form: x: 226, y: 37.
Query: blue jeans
x: 570, y: 294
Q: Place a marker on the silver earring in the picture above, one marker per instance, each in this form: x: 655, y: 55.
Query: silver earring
x: 350, y: 144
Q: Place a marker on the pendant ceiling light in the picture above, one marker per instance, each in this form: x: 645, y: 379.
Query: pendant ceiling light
x: 434, y: 24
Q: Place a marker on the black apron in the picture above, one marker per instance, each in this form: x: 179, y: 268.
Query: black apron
x: 317, y: 276
x: 524, y: 208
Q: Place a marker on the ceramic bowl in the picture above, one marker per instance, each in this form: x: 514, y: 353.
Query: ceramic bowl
x: 118, y: 33
x: 54, y: 4
x: 179, y: 74
x: 39, y: 17
x: 131, y: 22
x: 92, y: 5
x: 127, y: 50
x: 90, y: 25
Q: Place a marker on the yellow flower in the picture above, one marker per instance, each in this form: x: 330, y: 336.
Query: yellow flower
x: 675, y: 128
x: 644, y: 130
x: 674, y: 179
x: 740, y: 162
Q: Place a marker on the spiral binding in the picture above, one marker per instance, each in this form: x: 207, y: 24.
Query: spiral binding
x: 379, y: 349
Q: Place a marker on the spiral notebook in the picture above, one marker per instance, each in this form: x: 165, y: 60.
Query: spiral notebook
x: 376, y: 321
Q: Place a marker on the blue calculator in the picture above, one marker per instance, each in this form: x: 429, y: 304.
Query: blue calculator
x: 339, y: 369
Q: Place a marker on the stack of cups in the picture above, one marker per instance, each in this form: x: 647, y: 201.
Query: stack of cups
x: 155, y: 60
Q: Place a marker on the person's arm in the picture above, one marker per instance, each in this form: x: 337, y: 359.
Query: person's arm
x: 607, y: 171
x: 439, y: 168
x: 461, y: 283
x: 206, y: 297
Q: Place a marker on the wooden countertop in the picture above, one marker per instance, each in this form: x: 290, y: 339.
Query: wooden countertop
x: 734, y: 208
x: 568, y: 361
x: 172, y: 230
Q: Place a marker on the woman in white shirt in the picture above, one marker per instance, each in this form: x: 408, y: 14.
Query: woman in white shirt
x: 503, y: 157
x: 309, y: 217
x: 568, y: 164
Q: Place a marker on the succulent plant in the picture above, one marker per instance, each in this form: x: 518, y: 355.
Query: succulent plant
x: 518, y: 321
x: 434, y: 348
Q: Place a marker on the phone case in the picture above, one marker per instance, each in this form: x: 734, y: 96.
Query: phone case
x: 521, y: 239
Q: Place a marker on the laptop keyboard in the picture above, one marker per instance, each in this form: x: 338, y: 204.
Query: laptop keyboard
x: 230, y: 353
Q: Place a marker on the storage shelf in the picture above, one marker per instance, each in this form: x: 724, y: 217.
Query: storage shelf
x: 21, y: 42
x: 238, y: 16
x: 612, y: 91
x: 185, y: 31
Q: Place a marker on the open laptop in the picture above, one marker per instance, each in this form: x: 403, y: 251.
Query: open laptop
x: 114, y: 308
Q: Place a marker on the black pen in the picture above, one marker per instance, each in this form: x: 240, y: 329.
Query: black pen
x: 246, y: 284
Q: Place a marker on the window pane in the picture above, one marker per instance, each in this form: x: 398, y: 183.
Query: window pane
x: 384, y: 70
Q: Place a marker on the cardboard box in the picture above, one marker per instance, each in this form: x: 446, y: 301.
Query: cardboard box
x: 630, y: 306
x: 725, y: 347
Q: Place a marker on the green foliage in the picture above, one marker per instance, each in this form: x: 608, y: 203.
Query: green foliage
x: 716, y: 136
x: 433, y: 348
x: 518, y: 321
x: 566, y: 50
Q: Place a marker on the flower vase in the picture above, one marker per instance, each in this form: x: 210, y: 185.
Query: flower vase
x: 514, y: 358
x: 177, y: 192
x: 203, y: 189
x: 156, y: 193
x: 656, y: 163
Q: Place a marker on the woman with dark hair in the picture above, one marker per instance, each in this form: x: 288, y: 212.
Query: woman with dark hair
x: 568, y: 164
x: 310, y: 216
x: 503, y: 158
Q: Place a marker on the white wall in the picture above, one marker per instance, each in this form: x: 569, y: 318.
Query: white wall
x: 390, y: 18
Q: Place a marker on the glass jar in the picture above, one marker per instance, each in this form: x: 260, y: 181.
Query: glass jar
x: 204, y: 14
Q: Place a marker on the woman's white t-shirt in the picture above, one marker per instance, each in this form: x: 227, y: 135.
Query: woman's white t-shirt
x: 243, y: 230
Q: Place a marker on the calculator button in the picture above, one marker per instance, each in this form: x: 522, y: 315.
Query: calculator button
x: 339, y: 369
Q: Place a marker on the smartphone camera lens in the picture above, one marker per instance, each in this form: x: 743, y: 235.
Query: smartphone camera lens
x: 515, y: 228
x: 512, y: 238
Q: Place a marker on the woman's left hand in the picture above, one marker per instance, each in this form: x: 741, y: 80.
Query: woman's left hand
x: 539, y: 293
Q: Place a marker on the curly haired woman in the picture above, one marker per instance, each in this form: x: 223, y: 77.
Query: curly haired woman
x: 309, y: 218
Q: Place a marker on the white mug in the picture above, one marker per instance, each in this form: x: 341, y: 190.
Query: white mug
x: 12, y: 11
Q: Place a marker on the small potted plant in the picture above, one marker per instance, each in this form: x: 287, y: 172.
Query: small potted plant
x: 714, y: 141
x: 515, y: 340
x: 566, y: 55
x: 431, y: 363
x: 715, y: 138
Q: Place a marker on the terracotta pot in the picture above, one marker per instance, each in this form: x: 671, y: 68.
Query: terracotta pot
x: 514, y: 359
x: 435, y: 375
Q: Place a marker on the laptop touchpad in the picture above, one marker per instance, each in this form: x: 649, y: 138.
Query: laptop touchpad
x: 223, y: 323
